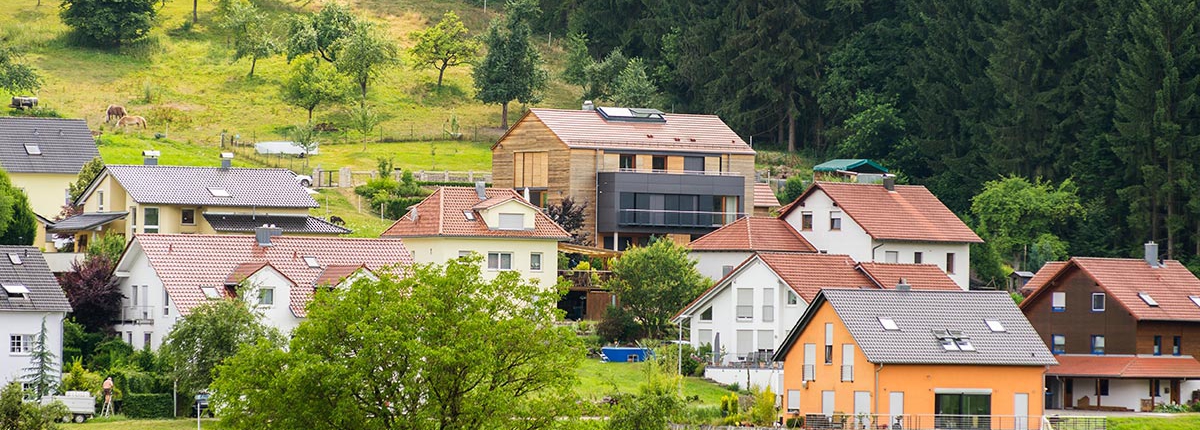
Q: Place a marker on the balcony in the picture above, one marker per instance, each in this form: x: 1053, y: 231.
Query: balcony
x: 662, y: 202
x: 671, y: 172
x: 675, y: 218
x: 138, y: 314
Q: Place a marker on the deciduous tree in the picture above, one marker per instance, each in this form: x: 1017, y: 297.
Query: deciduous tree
x: 15, y: 76
x: 320, y: 33
x: 446, y: 44
x: 94, y: 292
x: 109, y: 22
x: 364, y: 54
x: 512, y: 68
x: 251, y: 32
x: 211, y: 333
x: 364, y: 119
x: 309, y: 85
x: 655, y: 281
x: 1015, y: 216
x: 87, y: 173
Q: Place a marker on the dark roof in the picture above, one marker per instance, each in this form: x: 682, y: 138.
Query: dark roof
x: 245, y: 223
x: 858, y: 165
x: 65, y: 145
x: 918, y: 314
x: 33, y: 273
x: 85, y: 221
x: 188, y: 185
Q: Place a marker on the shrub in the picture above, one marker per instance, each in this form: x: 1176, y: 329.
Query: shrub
x: 618, y: 325
x: 794, y: 422
x: 763, y: 411
x: 148, y: 406
x: 37, y: 112
x: 1171, y: 408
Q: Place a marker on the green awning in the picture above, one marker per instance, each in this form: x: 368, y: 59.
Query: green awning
x: 857, y: 165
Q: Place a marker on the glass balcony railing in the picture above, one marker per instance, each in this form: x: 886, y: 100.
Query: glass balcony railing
x: 675, y: 218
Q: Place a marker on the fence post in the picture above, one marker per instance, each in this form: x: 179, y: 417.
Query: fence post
x: 446, y: 176
x: 471, y: 176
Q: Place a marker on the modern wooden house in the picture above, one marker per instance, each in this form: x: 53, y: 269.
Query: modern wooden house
x: 641, y: 172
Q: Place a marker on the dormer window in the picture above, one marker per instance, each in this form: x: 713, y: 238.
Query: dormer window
x: 33, y: 149
x: 15, y: 291
x: 1149, y: 300
x: 512, y: 221
x: 218, y: 192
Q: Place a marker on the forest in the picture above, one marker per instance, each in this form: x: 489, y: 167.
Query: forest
x: 1099, y: 94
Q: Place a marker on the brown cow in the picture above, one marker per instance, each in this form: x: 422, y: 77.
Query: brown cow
x: 115, y: 112
x: 135, y: 121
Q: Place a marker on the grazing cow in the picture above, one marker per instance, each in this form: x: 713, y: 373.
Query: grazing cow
x: 135, y: 121
x: 337, y: 220
x: 115, y: 112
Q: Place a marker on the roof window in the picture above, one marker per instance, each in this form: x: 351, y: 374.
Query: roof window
x: 15, y: 259
x: 470, y: 215
x: 1195, y: 299
x: 1149, y: 300
x: 14, y: 290
x: 218, y: 192
x: 995, y: 326
x: 953, y: 340
x: 888, y: 324
x: 631, y: 114
x: 33, y: 149
x: 311, y: 262
x: 210, y: 292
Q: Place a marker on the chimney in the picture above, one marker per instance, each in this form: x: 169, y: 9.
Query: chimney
x: 150, y: 157
x: 1152, y: 254
x: 265, y: 233
x: 481, y: 190
x: 889, y: 182
x: 226, y: 160
x: 903, y: 285
x: 587, y: 105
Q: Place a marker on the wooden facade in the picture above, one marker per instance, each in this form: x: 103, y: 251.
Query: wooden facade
x: 1078, y: 323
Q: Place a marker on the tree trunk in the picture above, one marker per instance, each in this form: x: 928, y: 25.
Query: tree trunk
x: 363, y: 86
x: 504, y: 116
x: 310, y: 110
x: 441, y: 72
x: 791, y: 131
x: 195, y: 17
x: 253, y: 62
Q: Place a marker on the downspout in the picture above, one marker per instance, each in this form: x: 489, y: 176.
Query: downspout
x: 878, y: 368
x: 873, y: 250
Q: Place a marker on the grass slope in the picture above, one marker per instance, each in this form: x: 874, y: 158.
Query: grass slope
x: 598, y: 379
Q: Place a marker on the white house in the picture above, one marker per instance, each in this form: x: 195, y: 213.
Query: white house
x: 165, y: 276
x: 717, y: 253
x: 29, y: 296
x: 885, y: 223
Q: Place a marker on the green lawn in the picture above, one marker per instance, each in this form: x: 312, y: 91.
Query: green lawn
x: 1177, y: 422
x: 598, y: 379
x: 121, y: 423
x: 342, y: 202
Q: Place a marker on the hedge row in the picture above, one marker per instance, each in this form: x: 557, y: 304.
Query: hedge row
x: 148, y: 406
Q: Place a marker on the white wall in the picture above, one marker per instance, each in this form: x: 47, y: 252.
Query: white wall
x: 441, y: 249
x: 150, y: 301
x: 12, y: 366
x: 278, y: 315
x: 747, y: 377
x: 1127, y: 393
x: 931, y: 253
x: 712, y: 263
x: 759, y: 277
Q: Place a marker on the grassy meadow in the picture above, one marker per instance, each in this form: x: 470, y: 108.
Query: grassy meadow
x: 598, y: 379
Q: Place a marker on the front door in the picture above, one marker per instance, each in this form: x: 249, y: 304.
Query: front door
x: 1068, y: 394
x: 1175, y: 391
x: 1021, y: 411
x: 895, y: 409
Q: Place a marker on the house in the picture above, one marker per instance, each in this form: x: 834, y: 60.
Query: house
x: 165, y: 276
x: 640, y: 172
x: 29, y: 297
x: 1126, y: 331
x: 43, y: 156
x: 747, y: 313
x: 496, y: 223
x: 765, y: 201
x: 717, y: 253
x: 892, y: 359
x: 883, y: 222
x: 149, y: 198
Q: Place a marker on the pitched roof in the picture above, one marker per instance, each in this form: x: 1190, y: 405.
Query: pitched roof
x: 1043, y: 275
x: 188, y: 262
x: 919, y: 276
x: 45, y: 295
x: 65, y: 145
x: 1170, y: 285
x: 84, y: 221
x: 918, y: 314
x: 245, y: 223
x: 910, y: 212
x: 764, y: 197
x: 199, y: 186
x: 679, y: 133
x: 443, y: 213
x: 860, y: 165
x: 334, y: 274
x: 1126, y: 366
x: 754, y: 233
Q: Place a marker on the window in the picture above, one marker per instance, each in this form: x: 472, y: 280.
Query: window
x: 1059, y: 343
x: 464, y: 254
x: 535, y: 261
x: 1155, y: 388
x: 793, y: 401
x: 888, y: 324
x: 1195, y: 300
x: 810, y: 362
x: 891, y: 257
x: 469, y: 215
x: 20, y: 343
x: 828, y: 343
x: 150, y: 220
x: 745, y: 304
x: 768, y: 307
x: 1058, y: 301
x: 219, y: 192
x: 953, y: 340
x: 658, y: 162
x: 133, y: 219
x: 792, y: 298
x: 745, y: 343
x: 725, y: 270
x: 706, y: 315
x: 512, y: 221
x: 266, y: 297
x: 499, y: 261
x: 952, y: 407
x: 210, y: 293
x: 1098, y: 344
x: 312, y: 262
x: 1157, y: 345
x: 835, y: 220
x: 135, y: 295
x: 1149, y: 300
x: 705, y: 337
x: 33, y: 149
x: 766, y: 341
x: 14, y: 291
x: 100, y: 200
x: 917, y: 257
x: 1097, y: 302
x: 950, y: 263
x: 847, y: 362
x: 1102, y: 388
x: 806, y: 220
x: 146, y: 337
x: 187, y: 216
x: 1177, y: 346
x: 166, y: 302
x: 628, y: 161
x: 995, y: 326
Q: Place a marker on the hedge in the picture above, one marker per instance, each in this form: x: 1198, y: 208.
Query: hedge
x: 148, y: 406
x: 449, y: 184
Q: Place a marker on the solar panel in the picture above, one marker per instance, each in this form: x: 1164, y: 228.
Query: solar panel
x: 631, y: 114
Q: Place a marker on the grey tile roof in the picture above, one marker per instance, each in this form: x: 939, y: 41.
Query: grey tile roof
x: 289, y: 224
x: 44, y: 291
x: 85, y: 221
x: 918, y: 313
x: 66, y: 145
x: 187, y: 185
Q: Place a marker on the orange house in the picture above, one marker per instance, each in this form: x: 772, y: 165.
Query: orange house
x: 902, y: 359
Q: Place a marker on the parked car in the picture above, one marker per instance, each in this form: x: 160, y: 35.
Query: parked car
x: 81, y: 404
x: 201, y: 405
x: 304, y: 180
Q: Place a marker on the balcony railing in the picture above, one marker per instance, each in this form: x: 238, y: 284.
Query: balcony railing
x: 676, y: 218
x: 939, y: 422
x: 135, y: 313
x: 671, y: 172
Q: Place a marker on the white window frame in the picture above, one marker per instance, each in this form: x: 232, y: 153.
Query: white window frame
x: 793, y: 299
x: 768, y: 305
x: 21, y: 344
x: 502, y: 225
x: 793, y: 401
x: 766, y: 340
x: 706, y: 314
x: 1058, y: 301
x: 810, y: 362
x: 499, y: 262
x: 847, y: 362
x: 166, y: 302
x: 835, y: 220
x: 146, y: 226
x: 891, y: 256
x: 99, y: 200
x: 744, y: 304
x: 185, y: 210
x: 268, y: 292
x: 535, y: 257
x: 745, y: 343
x: 1103, y: 299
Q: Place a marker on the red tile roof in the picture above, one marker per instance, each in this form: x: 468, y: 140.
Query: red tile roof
x: 442, y: 214
x: 919, y: 276
x: 188, y: 262
x: 764, y: 197
x: 910, y: 212
x: 1124, y: 278
x: 754, y: 233
x: 1043, y: 275
x: 680, y: 132
x: 335, y: 274
x: 1126, y: 366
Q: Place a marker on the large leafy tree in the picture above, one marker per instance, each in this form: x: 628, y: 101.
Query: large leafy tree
x: 364, y: 54
x: 17, y: 222
x: 320, y: 33
x: 16, y: 76
x: 570, y: 215
x: 109, y: 22
x: 211, y: 333
x: 94, y: 292
x: 442, y: 348
x: 251, y: 32
x: 444, y: 45
x: 87, y: 173
x: 654, y: 282
x: 310, y: 85
x: 1015, y: 216
x: 512, y: 68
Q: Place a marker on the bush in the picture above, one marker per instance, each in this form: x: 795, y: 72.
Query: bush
x: 37, y: 112
x: 763, y: 411
x: 1171, y: 408
x: 618, y: 325
x: 794, y: 422
x: 148, y: 406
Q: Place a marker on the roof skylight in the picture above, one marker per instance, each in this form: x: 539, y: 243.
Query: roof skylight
x: 311, y: 262
x: 1195, y: 299
x: 888, y: 324
x: 1149, y: 300
x: 953, y: 340
x: 14, y: 290
x: 995, y: 326
x: 210, y: 292
x: 631, y: 114
x: 14, y: 258
x: 218, y: 192
x: 470, y: 215
x: 33, y: 149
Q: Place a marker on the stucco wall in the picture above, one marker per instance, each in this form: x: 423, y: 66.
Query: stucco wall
x: 47, y: 191
x: 441, y: 249
x: 712, y: 263
x: 12, y: 366
x: 160, y: 323
x: 758, y: 277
